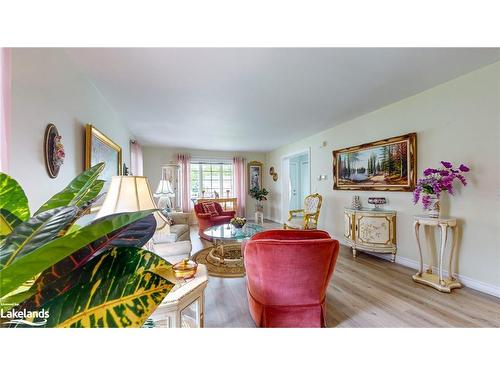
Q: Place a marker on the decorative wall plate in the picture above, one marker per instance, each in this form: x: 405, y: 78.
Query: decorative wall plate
x: 273, y: 173
x: 53, y: 150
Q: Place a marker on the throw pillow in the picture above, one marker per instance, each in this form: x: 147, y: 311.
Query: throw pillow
x: 168, y: 218
x: 170, y: 221
x: 209, y: 208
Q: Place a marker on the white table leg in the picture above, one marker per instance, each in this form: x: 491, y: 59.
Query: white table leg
x: 444, y: 235
x: 451, y: 268
x: 416, y: 226
x: 430, y: 247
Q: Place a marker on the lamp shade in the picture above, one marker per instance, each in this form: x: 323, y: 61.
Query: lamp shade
x: 129, y: 194
x: 164, y: 188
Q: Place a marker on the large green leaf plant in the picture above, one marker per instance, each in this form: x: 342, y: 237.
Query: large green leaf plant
x: 65, y: 275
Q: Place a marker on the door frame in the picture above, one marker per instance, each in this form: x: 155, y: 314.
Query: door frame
x: 285, y: 193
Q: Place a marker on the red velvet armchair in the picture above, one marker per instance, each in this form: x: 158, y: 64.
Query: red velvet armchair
x: 287, y: 276
x: 205, y: 220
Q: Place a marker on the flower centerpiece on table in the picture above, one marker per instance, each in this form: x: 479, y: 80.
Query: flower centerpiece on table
x: 238, y: 222
x: 259, y: 195
x: 434, y: 182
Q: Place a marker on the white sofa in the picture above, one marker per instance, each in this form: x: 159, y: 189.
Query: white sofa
x: 173, y: 252
x: 178, y: 231
x: 173, y: 242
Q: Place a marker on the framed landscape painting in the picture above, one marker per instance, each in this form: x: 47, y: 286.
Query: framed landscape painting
x: 389, y: 164
x: 100, y: 148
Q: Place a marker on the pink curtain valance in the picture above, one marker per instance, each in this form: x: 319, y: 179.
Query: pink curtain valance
x: 239, y: 184
x: 184, y: 161
x: 5, y: 106
x: 136, y: 159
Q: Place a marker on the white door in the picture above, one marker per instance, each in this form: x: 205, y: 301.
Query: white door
x: 304, y: 179
x: 294, y: 185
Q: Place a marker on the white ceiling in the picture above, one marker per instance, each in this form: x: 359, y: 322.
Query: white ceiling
x: 259, y: 99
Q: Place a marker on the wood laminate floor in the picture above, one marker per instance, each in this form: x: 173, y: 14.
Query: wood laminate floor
x: 363, y: 292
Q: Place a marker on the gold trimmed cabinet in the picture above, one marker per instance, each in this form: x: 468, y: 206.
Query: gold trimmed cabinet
x: 370, y: 230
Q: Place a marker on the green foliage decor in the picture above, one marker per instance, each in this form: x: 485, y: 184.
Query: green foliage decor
x: 258, y: 194
x: 92, y: 276
x: 14, y: 207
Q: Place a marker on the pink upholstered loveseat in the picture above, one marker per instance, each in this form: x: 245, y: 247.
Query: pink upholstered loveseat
x: 205, y: 220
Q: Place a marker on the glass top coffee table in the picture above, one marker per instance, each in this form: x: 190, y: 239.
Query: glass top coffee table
x: 228, y: 233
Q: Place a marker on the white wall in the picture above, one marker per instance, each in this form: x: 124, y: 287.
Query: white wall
x: 155, y: 157
x: 46, y: 87
x: 458, y: 121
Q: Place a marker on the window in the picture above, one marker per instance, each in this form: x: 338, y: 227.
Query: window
x: 210, y: 178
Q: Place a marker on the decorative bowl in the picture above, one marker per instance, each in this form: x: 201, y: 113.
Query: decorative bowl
x: 238, y: 222
x: 377, y: 201
x: 185, y: 269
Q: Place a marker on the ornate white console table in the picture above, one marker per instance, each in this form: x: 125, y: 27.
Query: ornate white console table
x: 428, y: 277
x: 370, y: 230
x: 184, y: 306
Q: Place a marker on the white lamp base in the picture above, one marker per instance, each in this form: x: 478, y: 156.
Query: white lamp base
x: 164, y: 202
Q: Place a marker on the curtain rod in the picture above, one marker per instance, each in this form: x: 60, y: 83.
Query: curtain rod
x: 212, y: 158
x: 213, y: 162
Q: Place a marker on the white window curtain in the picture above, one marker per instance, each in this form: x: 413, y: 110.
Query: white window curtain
x: 136, y: 161
x: 184, y: 162
x: 239, y: 184
x: 5, y: 106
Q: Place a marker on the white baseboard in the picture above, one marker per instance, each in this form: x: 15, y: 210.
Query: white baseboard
x: 273, y: 219
x: 465, y: 280
x: 251, y: 218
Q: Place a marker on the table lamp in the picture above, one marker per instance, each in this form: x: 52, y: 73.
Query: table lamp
x: 164, y: 193
x: 130, y: 194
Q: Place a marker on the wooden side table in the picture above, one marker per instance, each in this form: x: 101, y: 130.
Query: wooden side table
x: 226, y: 203
x: 428, y: 277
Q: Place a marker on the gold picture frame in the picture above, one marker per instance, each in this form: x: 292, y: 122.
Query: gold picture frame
x: 101, y: 148
x: 92, y: 134
x: 255, y: 174
x: 367, y: 166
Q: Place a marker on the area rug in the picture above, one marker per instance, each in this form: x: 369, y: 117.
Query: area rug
x: 232, y: 267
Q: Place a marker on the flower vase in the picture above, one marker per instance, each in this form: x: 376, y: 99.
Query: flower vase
x: 434, y: 206
x: 259, y: 207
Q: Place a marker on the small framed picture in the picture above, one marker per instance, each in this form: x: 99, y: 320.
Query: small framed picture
x: 255, y: 174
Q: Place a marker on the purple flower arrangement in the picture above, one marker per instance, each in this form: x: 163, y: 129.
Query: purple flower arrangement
x: 437, y: 180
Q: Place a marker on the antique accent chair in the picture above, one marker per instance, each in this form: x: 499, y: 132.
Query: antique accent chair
x: 306, y: 218
x: 288, y: 272
x: 210, y: 214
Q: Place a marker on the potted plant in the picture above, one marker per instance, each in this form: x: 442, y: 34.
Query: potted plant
x: 435, y: 181
x: 54, y: 273
x: 259, y: 195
